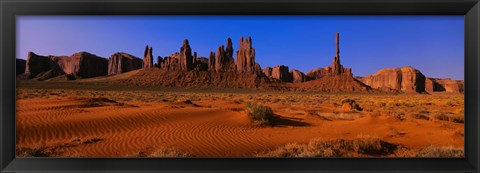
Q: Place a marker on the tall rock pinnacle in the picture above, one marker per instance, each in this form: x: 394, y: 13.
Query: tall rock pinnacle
x: 336, y: 67
x: 186, y: 58
x: 148, y: 57
x: 246, y: 56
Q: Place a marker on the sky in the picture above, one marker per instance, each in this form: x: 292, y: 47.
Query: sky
x: 432, y: 44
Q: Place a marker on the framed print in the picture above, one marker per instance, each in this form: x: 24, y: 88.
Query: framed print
x: 185, y: 86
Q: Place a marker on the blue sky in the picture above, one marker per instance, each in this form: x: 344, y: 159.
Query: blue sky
x: 432, y: 44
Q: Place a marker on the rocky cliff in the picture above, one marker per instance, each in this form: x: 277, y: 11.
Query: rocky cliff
x: 406, y: 79
x: 78, y: 65
x: 20, y: 66
x: 148, y: 57
x: 444, y: 85
x: 122, y: 62
x: 246, y: 57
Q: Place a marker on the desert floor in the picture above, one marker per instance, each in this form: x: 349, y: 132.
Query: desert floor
x: 60, y: 120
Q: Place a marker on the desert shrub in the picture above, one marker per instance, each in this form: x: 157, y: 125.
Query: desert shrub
x: 380, y: 104
x: 424, y: 112
x: 398, y: 115
x: 92, y: 140
x: 364, y: 145
x: 39, y: 151
x: 165, y: 152
x: 458, y: 119
x: 445, y: 152
x: 449, y: 103
x: 420, y: 116
x: 442, y: 117
x: 352, y: 103
x: 393, y: 104
x: 260, y: 114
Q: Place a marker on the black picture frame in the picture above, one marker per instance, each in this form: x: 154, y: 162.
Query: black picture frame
x: 10, y: 8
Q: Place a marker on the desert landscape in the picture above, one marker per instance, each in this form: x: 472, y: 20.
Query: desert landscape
x: 227, y: 105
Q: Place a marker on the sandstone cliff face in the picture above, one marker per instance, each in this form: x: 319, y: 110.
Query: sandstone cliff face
x: 186, y: 58
x: 122, y: 62
x: 406, y: 79
x: 20, y: 66
x: 223, y: 62
x: 211, y: 61
x: 246, y: 56
x: 297, y: 76
x: 267, y: 71
x: 182, y: 60
x: 36, y: 65
x: 444, y: 85
x: 281, y: 73
x: 316, y: 73
x: 148, y: 57
x: 78, y: 65
x: 201, y: 64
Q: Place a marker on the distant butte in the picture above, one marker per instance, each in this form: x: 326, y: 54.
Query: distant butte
x: 221, y: 70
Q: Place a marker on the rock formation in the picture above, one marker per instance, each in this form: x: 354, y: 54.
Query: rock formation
x: 246, y: 57
x: 37, y: 65
x: 122, y: 62
x: 186, y: 58
x: 229, y: 49
x: 224, y: 62
x: 20, y: 66
x: 334, y: 84
x: 182, y: 60
x: 281, y: 73
x: 159, y: 61
x: 297, y: 76
x: 148, y: 57
x: 335, y: 69
x: 211, y: 61
x: 201, y: 64
x: 267, y: 71
x: 194, y: 57
x: 78, y: 65
x: 406, y: 79
x: 444, y: 85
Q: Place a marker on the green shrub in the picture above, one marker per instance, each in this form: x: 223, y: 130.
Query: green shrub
x: 260, y: 114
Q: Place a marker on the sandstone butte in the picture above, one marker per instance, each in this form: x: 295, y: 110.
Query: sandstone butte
x: 222, y: 70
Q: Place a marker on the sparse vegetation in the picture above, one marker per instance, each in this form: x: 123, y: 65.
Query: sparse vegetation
x: 420, y: 116
x: 351, y: 103
x: 444, y: 112
x: 361, y: 146
x: 442, y: 152
x: 260, y: 114
x: 164, y: 152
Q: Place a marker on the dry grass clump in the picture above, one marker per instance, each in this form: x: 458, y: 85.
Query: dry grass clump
x: 260, y: 114
x: 456, y: 118
x: 56, y: 150
x: 442, y: 152
x: 420, y: 116
x: 165, y: 152
x: 361, y: 146
x: 37, y: 151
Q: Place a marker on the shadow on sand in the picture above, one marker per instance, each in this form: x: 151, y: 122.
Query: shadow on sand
x: 281, y: 121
